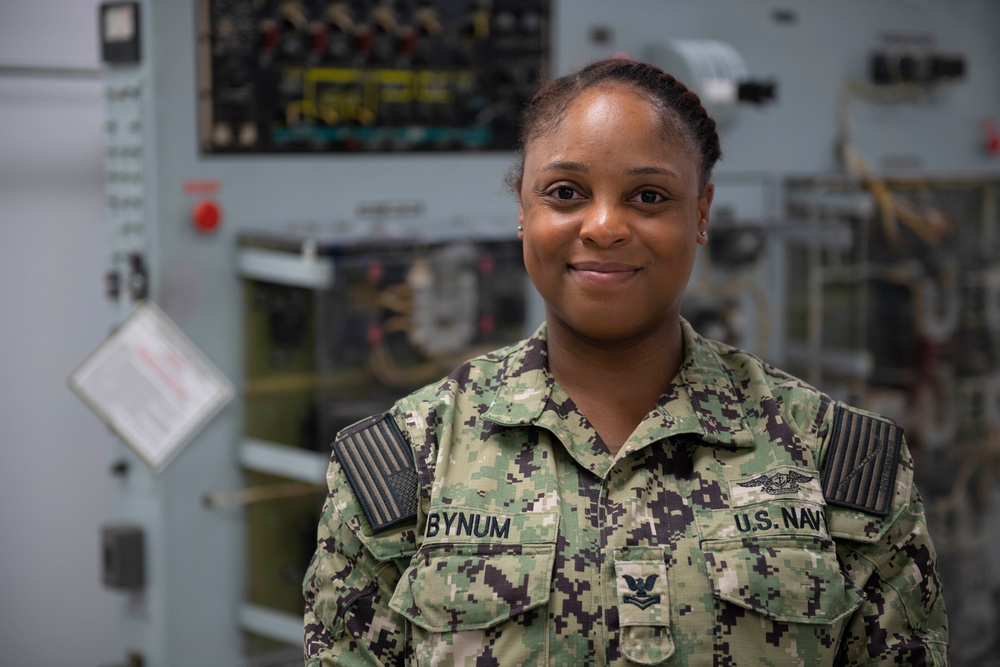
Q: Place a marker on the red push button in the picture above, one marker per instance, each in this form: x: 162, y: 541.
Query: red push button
x: 991, y: 136
x: 206, y: 216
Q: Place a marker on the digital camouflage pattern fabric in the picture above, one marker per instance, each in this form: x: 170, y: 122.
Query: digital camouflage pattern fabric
x: 706, y: 541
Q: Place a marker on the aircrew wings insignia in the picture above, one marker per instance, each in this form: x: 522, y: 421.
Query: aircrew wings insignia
x: 778, y: 483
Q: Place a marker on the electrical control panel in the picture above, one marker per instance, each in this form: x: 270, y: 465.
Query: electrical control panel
x: 351, y: 327
x: 377, y: 75
x: 896, y: 309
x: 335, y: 332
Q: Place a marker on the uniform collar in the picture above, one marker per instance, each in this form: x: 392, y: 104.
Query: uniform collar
x: 702, y: 400
x: 705, y: 396
x: 525, y: 383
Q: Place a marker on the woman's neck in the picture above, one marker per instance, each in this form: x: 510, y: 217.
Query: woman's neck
x: 615, y: 383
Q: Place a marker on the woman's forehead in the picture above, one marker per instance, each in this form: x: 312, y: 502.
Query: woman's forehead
x: 617, y: 121
x: 613, y: 104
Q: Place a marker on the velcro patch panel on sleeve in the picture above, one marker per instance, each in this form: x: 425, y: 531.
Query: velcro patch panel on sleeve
x: 860, y: 469
x: 378, y: 463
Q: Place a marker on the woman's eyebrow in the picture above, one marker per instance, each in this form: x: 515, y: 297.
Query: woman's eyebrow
x: 651, y: 171
x: 560, y: 165
x: 566, y: 165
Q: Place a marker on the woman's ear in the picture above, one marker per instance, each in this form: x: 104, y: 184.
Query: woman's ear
x: 704, y: 209
x: 520, y: 218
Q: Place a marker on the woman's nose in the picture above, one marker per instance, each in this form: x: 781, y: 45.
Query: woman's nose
x: 605, y: 224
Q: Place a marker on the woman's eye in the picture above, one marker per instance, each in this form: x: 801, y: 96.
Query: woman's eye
x: 564, y: 192
x: 650, y: 197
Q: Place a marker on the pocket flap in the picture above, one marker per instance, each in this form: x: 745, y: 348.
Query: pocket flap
x: 647, y: 644
x: 643, y: 605
x: 454, y: 587
x: 787, y: 579
x: 335, y: 590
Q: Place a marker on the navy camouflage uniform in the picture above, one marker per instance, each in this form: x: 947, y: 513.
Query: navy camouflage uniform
x: 748, y: 520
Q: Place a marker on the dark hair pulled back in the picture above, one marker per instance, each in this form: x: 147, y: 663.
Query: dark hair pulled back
x: 680, y: 107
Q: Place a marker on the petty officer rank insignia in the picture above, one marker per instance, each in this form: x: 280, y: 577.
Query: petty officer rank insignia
x: 860, y: 469
x: 643, y: 606
x: 378, y: 463
x: 641, y: 586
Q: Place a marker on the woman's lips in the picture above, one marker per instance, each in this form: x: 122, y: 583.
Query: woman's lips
x: 603, y: 273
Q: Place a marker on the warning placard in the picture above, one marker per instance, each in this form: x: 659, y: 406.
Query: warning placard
x: 151, y: 385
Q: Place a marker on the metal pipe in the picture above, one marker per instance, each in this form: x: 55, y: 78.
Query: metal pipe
x: 50, y: 71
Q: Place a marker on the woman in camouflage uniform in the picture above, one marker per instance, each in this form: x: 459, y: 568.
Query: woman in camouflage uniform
x: 617, y: 489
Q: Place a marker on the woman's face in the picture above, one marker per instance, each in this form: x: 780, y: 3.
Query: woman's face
x: 611, y: 212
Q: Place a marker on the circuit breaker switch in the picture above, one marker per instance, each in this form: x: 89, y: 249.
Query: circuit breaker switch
x: 123, y: 556
x: 756, y: 92
x: 112, y: 284
x: 138, y: 277
x: 920, y: 68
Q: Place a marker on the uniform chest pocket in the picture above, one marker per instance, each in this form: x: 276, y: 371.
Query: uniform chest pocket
x: 477, y: 590
x: 786, y: 578
x: 470, y: 603
x: 453, y: 587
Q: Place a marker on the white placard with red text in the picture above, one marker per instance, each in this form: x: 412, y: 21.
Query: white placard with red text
x: 151, y: 385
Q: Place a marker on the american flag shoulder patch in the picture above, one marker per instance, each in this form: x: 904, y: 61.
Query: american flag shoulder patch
x: 861, y: 461
x: 378, y: 462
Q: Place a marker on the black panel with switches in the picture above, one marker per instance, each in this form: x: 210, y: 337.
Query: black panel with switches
x: 368, y: 75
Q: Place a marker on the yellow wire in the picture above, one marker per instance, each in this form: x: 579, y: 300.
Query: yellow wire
x: 930, y: 226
